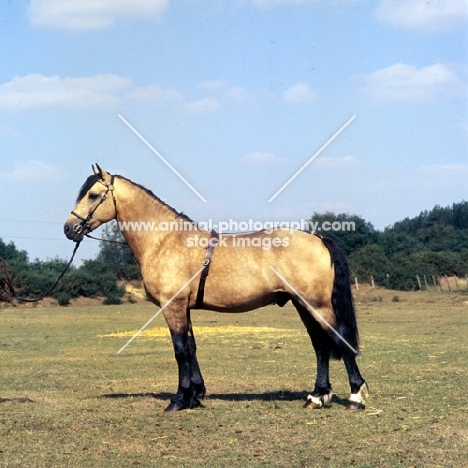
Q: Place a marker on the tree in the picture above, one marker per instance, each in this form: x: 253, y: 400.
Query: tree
x: 370, y: 261
x: 460, y: 215
x: 117, y: 254
x: 31, y: 279
x: 9, y: 252
x: 355, y: 232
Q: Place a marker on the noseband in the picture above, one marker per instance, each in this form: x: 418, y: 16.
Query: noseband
x: 85, y: 221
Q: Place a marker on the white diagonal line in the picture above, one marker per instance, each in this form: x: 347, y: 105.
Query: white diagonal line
x: 312, y: 158
x: 160, y: 310
x: 314, y: 310
x: 160, y: 157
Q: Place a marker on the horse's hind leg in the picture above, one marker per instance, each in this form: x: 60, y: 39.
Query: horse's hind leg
x: 359, y: 388
x: 322, y: 393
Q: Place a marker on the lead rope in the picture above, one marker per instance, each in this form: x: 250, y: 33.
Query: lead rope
x: 8, y: 292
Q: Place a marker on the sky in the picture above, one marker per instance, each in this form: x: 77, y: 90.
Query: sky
x: 237, y: 96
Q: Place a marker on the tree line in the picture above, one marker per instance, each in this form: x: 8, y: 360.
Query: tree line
x: 96, y: 278
x: 435, y: 243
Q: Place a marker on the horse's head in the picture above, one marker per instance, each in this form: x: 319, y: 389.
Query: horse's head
x: 95, y: 205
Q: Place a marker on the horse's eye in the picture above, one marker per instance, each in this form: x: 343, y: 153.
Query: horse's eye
x: 93, y: 196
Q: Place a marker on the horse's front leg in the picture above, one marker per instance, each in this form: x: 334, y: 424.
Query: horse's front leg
x: 195, y: 373
x: 190, y: 381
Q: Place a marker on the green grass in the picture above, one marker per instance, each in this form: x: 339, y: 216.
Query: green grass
x: 68, y: 399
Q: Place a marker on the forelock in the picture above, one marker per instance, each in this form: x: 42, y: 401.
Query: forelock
x: 90, y: 181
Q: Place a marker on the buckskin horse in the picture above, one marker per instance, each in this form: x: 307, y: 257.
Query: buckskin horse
x: 310, y: 271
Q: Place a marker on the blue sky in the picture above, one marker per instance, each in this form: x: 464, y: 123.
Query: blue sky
x: 237, y: 95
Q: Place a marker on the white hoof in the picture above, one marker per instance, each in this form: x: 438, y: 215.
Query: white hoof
x: 358, y: 398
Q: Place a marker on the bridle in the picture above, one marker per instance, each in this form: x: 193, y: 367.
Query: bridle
x: 84, y: 224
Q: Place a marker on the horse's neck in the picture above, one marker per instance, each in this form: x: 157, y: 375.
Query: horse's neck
x: 140, y: 217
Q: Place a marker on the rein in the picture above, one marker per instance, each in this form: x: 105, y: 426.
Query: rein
x: 106, y: 240
x: 8, y: 292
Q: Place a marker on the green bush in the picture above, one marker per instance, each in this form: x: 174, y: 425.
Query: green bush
x: 113, y: 299
x: 63, y: 299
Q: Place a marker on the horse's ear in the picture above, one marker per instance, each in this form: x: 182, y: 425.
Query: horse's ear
x: 98, y: 171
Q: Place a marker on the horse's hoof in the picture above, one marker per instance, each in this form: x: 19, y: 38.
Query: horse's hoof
x: 201, y: 393
x: 354, y: 406
x: 173, y: 407
x: 309, y: 404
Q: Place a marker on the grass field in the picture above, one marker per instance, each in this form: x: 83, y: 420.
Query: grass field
x: 68, y: 399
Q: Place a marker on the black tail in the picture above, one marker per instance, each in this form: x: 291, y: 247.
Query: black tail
x: 346, y: 340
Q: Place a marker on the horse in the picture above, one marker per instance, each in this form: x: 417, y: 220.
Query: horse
x: 309, y: 270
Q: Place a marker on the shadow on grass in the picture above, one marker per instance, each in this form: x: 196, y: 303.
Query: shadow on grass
x: 265, y: 396
x: 158, y: 396
x: 20, y: 400
x: 270, y: 396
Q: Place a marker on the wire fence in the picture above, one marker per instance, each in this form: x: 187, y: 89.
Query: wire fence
x: 442, y: 283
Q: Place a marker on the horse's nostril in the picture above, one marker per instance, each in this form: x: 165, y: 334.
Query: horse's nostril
x: 66, y: 229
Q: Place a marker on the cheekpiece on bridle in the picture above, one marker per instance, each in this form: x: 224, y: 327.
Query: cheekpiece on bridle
x: 85, y: 221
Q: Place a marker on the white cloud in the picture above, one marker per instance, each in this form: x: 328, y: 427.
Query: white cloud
x: 424, y: 15
x: 336, y: 163
x: 262, y: 158
x: 155, y: 93
x: 270, y: 4
x: 406, y: 83
x: 202, y: 106
x: 35, y: 91
x: 33, y: 171
x: 299, y: 93
x: 236, y: 94
x: 91, y: 14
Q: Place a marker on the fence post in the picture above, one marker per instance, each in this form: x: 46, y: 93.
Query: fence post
x: 419, y: 282
x: 356, y: 283
x: 440, y: 284
x: 372, y: 281
x: 448, y: 284
x: 456, y: 282
x: 434, y: 281
x: 425, y: 282
x: 388, y: 281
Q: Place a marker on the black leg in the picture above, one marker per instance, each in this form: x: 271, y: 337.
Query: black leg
x: 355, y: 378
x: 195, y: 374
x: 322, y: 383
x: 186, y: 396
x: 191, y: 386
x: 358, y: 385
x: 322, y: 394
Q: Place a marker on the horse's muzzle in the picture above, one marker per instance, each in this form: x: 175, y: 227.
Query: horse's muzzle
x: 75, y: 231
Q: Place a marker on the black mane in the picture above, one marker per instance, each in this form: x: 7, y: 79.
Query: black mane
x: 92, y: 179
x: 151, y: 194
